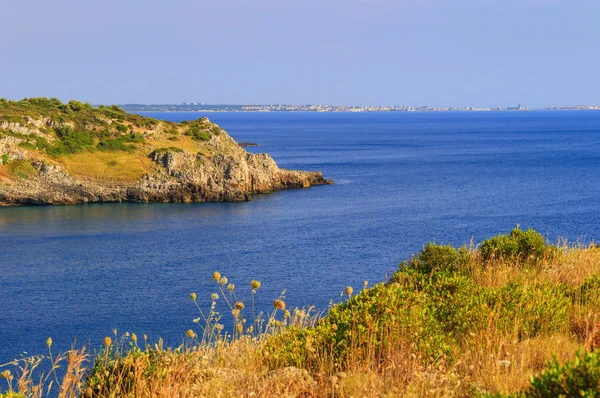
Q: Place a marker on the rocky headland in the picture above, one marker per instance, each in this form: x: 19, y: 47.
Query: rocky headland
x: 55, y: 153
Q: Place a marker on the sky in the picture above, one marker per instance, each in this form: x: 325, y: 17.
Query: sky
x: 342, y: 52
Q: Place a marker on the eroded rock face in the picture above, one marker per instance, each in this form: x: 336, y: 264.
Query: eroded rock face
x: 229, y: 174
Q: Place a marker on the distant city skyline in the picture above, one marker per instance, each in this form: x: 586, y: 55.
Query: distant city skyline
x: 481, y: 53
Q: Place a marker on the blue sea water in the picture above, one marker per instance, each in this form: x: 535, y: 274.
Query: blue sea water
x: 402, y: 179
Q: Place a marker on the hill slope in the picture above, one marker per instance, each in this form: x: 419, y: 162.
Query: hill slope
x: 55, y: 153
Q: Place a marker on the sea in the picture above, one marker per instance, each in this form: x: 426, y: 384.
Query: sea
x: 77, y: 273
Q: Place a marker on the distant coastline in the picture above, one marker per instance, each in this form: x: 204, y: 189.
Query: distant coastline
x: 199, y: 107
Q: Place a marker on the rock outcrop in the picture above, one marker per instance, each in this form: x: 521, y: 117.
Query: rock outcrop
x: 221, y: 171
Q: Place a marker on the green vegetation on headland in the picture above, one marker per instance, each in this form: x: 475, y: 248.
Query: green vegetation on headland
x: 514, y: 316
x: 57, y: 153
x: 78, y: 127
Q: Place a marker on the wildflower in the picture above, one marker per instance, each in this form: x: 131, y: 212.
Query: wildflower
x: 134, y: 338
x: 239, y: 305
x: 214, y: 296
x: 216, y: 275
x: 286, y: 314
x: 107, y: 341
x: 239, y: 328
x: 6, y: 374
x: 230, y: 287
x: 365, y: 284
x: 145, y: 338
x: 190, y: 333
x: 49, y: 342
x: 277, y: 324
x: 349, y: 290
x: 196, y: 320
x: 223, y: 281
x: 255, y: 284
x: 235, y: 313
x: 193, y: 296
x: 219, y: 327
x: 279, y: 304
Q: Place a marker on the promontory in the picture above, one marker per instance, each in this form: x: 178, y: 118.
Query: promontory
x: 67, y: 153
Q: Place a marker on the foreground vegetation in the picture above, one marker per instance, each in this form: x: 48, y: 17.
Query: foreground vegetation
x: 511, y: 317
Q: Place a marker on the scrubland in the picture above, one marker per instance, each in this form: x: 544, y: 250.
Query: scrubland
x: 513, y: 316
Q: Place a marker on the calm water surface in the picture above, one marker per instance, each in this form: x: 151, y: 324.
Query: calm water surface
x: 402, y: 179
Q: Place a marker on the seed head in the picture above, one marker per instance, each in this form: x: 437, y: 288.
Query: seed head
x: 349, y: 290
x: 223, y: 281
x: 255, y: 284
x: 235, y: 313
x: 6, y: 374
x: 107, y: 341
x: 279, y: 304
x: 239, y: 328
x: 365, y: 284
x: 239, y: 305
x: 145, y: 337
x: 286, y: 314
x: 230, y: 287
x: 190, y: 333
x: 214, y: 296
x: 134, y: 338
x: 49, y: 342
x: 277, y: 324
x: 193, y: 296
x: 216, y: 275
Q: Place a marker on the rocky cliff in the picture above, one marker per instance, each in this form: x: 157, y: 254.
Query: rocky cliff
x: 54, y: 153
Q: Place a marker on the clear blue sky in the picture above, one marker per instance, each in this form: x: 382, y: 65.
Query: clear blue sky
x: 419, y: 52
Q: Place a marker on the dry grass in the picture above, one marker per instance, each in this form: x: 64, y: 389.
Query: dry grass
x: 108, y: 166
x: 251, y: 361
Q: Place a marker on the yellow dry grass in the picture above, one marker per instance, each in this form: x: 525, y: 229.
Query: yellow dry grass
x: 108, y: 166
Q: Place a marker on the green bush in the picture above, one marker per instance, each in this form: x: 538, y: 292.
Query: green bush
x: 365, y: 327
x: 4, y: 159
x: 434, y: 257
x: 197, y: 134
x: 121, y: 127
x: 133, y: 137
x: 114, y: 145
x: 589, y: 292
x: 579, y: 377
x: 21, y: 169
x: 169, y: 149
x: 73, y: 142
x: 530, y: 310
x: 524, y: 246
x: 27, y: 145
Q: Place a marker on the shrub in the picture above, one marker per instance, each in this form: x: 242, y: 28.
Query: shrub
x: 524, y: 246
x: 4, y: 159
x: 589, y: 292
x: 21, y: 169
x: 73, y: 142
x: 169, y: 149
x: 114, y: 145
x: 133, y: 137
x: 27, y: 145
x: 435, y: 257
x: 366, y: 327
x: 530, y: 310
x: 121, y: 127
x: 197, y: 134
x: 577, y: 378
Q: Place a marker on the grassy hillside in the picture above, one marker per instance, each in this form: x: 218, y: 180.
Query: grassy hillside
x: 102, y: 142
x: 511, y: 316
